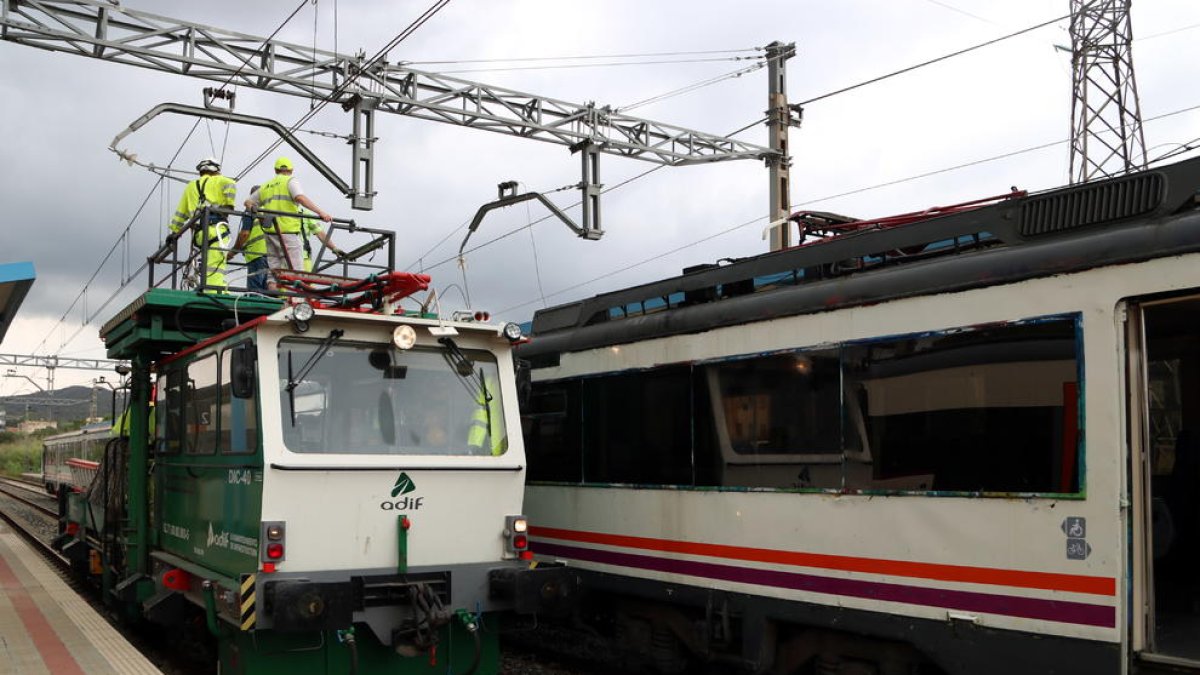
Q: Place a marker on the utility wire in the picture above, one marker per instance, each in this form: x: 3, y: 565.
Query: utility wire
x: 400, y: 37
x: 692, y: 87
x: 585, y: 57
x: 932, y: 61
x: 964, y: 12
x: 1169, y: 32
x: 703, y: 83
x: 752, y: 124
x: 124, y: 233
x: 567, y: 66
x: 246, y: 61
x: 543, y: 219
x: 1042, y: 146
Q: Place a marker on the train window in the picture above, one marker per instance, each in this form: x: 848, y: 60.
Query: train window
x: 778, y: 418
x: 985, y: 409
x: 551, y: 432
x: 239, y: 415
x: 359, y: 398
x: 627, y: 414
x: 200, y: 409
x: 170, y: 409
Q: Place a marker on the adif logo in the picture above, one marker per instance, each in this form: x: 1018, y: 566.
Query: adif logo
x: 403, y: 486
x: 221, y: 540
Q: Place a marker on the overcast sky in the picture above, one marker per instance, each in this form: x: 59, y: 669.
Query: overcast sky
x: 66, y: 197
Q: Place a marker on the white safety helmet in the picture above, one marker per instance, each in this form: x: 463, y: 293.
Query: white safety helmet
x: 208, y: 164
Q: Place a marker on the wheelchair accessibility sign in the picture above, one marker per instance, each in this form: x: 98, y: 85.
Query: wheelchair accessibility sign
x: 1075, y: 527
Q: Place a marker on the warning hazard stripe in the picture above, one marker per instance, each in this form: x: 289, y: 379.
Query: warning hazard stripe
x: 249, y: 617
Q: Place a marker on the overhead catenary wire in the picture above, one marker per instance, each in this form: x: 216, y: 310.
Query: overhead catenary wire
x: 400, y: 37
x: 692, y: 87
x: 124, y: 233
x: 930, y: 62
x: 246, y: 60
x: 759, y: 219
x: 1192, y: 145
x: 959, y: 10
x: 752, y: 124
x: 524, y: 59
x: 612, y: 64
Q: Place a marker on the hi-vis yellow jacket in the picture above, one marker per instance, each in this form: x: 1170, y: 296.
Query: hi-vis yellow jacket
x: 217, y: 190
x: 273, y: 195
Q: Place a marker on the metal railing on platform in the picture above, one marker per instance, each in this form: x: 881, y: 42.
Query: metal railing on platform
x: 211, y: 263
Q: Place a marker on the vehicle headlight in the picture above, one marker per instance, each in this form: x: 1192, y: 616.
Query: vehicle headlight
x: 512, y: 331
x: 302, y: 311
x: 404, y: 337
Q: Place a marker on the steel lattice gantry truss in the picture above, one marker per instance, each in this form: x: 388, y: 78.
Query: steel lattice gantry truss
x: 112, y: 33
x: 51, y: 362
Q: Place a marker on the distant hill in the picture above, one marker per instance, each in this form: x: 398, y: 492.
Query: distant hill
x: 16, y: 409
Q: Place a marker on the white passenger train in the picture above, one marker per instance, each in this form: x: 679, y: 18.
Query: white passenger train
x: 69, y: 459
x: 962, y: 445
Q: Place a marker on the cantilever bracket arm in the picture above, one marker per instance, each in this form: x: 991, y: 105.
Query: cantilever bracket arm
x: 508, y: 197
x: 228, y: 116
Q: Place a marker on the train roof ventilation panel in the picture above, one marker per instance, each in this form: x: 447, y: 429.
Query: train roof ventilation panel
x: 1092, y: 204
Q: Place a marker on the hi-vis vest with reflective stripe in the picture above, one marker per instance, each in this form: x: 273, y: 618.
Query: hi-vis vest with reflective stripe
x: 218, y: 190
x: 256, y: 243
x: 481, y: 430
x: 274, y: 196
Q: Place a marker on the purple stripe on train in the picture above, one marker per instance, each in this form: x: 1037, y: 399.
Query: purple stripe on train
x: 1007, y: 605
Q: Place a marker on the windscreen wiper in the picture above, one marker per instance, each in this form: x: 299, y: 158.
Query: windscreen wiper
x: 487, y: 404
x: 295, y: 380
x: 463, y: 365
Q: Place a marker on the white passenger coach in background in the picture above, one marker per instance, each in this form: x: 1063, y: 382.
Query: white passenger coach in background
x: 960, y: 445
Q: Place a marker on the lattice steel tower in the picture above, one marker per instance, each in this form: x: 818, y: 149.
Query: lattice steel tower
x: 1106, y: 118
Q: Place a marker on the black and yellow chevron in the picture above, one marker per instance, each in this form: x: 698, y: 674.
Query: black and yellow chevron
x: 248, y: 613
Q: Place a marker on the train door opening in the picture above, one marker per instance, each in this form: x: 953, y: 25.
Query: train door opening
x: 1166, y: 374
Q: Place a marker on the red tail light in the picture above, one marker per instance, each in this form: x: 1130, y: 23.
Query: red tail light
x: 520, y: 542
x: 72, y: 529
x: 482, y: 316
x: 274, y: 551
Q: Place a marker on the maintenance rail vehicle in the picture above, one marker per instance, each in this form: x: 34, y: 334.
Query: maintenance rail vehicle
x: 330, y: 482
x: 884, y: 451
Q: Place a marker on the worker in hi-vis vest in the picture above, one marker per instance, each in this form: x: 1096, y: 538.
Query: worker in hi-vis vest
x: 211, y: 238
x: 487, y: 422
x: 283, y: 194
x: 120, y: 425
x: 253, y: 244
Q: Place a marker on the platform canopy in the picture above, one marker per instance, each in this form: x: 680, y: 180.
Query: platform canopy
x: 15, y: 280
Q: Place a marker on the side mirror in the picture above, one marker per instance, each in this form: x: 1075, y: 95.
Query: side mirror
x: 241, y: 370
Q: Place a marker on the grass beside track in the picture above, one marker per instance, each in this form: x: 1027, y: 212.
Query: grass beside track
x: 20, y: 454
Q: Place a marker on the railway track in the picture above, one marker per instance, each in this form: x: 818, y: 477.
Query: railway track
x: 34, y: 535
x: 30, y: 495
